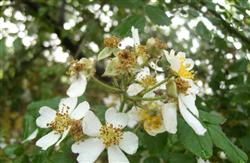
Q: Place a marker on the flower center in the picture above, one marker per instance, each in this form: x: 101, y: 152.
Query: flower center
x: 110, y: 135
x: 111, y: 42
x: 83, y: 65
x: 152, y: 118
x: 182, y: 85
x: 76, y: 130
x: 127, y: 59
x: 183, y: 71
x: 148, y: 81
x: 61, y: 122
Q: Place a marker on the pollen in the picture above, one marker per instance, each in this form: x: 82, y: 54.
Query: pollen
x: 61, y: 123
x: 152, y: 118
x: 82, y: 65
x: 110, y: 135
x: 76, y: 130
x: 126, y: 59
x: 148, y: 81
x: 182, y: 85
x: 111, y: 42
x: 183, y: 71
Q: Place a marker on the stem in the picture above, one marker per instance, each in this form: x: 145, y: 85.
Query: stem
x: 109, y: 87
x: 148, y: 99
x: 155, y: 86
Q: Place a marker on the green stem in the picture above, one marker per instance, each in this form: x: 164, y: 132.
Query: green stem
x: 147, y: 99
x: 109, y: 87
x: 155, y: 86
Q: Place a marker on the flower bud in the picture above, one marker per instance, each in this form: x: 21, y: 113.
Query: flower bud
x: 172, y: 89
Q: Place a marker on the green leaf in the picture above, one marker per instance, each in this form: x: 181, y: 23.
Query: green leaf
x: 152, y: 159
x: 13, y: 150
x: 111, y: 68
x: 202, y: 30
x: 180, y: 158
x: 211, y: 117
x: 155, y: 144
x: 201, y: 146
x: 157, y: 16
x: 221, y: 141
x: 106, y: 52
x: 124, y: 28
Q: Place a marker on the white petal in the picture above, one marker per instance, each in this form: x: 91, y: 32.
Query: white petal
x: 47, y: 115
x: 142, y: 74
x: 173, y: 60
x: 135, y: 35
x: 190, y: 63
x: 88, y: 150
x: 134, y: 89
x: 189, y: 102
x: 128, y: 41
x: 65, y: 133
x: 133, y: 117
x: 155, y: 67
x: 91, y: 124
x: 77, y: 87
x: 160, y: 78
x: 117, y: 119
x: 140, y: 60
x: 69, y: 102
x: 129, y: 143
x: 115, y: 155
x: 31, y: 136
x: 48, y: 140
x: 192, y: 121
x: 169, y: 113
x: 80, y: 110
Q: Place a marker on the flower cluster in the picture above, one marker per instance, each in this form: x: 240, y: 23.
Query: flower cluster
x: 152, y: 85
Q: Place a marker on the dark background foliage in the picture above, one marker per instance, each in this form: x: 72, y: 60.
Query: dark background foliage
x: 33, y: 34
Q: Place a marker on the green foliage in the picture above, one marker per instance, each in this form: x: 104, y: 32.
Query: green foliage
x: 203, y: 31
x: 221, y: 141
x: 156, y: 15
x: 201, y: 146
x: 123, y: 29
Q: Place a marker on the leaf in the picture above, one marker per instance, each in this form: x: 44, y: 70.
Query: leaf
x: 155, y: 144
x: 221, y: 141
x: 202, y: 30
x: 151, y: 159
x: 199, y: 145
x: 156, y: 15
x: 211, y: 117
x: 123, y: 29
x: 180, y: 158
x: 106, y: 52
x: 13, y: 150
x: 111, y: 68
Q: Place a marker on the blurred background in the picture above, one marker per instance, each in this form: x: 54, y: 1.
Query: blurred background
x: 38, y: 37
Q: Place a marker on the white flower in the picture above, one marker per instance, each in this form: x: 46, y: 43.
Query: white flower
x: 78, y: 86
x: 79, y: 72
x: 188, y: 110
x: 145, y: 80
x: 110, y: 136
x: 60, y: 122
x: 180, y: 64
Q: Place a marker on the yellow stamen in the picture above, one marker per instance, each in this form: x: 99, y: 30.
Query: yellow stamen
x: 182, y: 85
x: 61, y: 123
x: 148, y: 81
x: 110, y: 135
x: 111, y: 42
x: 76, y: 130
